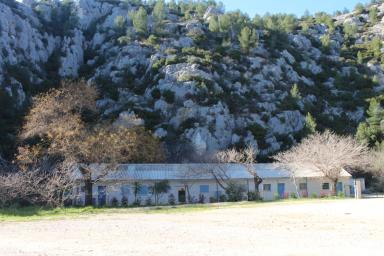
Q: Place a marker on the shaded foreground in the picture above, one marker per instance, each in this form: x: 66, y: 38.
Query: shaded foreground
x: 333, y: 227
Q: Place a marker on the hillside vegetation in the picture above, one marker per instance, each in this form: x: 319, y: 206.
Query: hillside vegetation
x: 201, y: 79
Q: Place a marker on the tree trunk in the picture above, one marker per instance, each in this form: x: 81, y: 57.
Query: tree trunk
x: 88, y: 189
x: 257, y: 180
x: 334, y: 189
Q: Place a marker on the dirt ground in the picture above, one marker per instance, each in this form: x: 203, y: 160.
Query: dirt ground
x: 346, y: 227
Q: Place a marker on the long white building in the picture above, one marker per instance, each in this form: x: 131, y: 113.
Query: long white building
x: 192, y: 183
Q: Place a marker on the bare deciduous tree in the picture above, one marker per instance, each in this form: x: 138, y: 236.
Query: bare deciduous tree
x: 377, y: 163
x: 326, y: 152
x: 246, y: 158
x: 36, y: 187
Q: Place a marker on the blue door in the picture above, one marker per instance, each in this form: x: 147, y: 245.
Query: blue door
x: 102, y: 195
x: 352, y: 190
x: 281, y: 189
x: 339, y: 187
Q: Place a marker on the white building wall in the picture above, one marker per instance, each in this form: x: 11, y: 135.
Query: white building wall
x: 114, y: 190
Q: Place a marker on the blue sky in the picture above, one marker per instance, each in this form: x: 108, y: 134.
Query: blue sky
x: 297, y: 7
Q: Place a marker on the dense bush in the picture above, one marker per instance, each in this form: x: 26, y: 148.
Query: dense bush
x: 169, y: 96
x: 114, y: 202
x: 235, y: 192
x: 171, y: 199
x: 124, y: 201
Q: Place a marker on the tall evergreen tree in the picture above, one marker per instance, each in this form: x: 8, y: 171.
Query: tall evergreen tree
x: 214, y: 25
x: 372, y: 130
x: 140, y: 20
x: 159, y: 14
x: 245, y: 38
x: 373, y: 15
x: 295, y: 92
x: 360, y: 58
x: 172, y: 6
x: 310, y: 124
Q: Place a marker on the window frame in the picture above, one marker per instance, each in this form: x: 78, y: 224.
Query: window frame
x: 305, y: 187
x: 266, y: 185
x: 327, y: 187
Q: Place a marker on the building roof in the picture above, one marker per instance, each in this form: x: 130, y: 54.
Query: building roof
x: 204, y: 172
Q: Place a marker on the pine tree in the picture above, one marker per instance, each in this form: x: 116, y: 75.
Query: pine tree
x: 159, y: 14
x: 376, y: 46
x: 254, y: 38
x: 372, y: 131
x: 350, y: 30
x: 225, y: 23
x: 373, y: 13
x: 295, y: 92
x: 375, y: 113
x: 359, y: 8
x: 140, y: 20
x: 172, y: 6
x: 360, y: 58
x: 120, y: 23
x: 325, y: 41
x: 244, y: 38
x: 310, y: 124
x: 214, y: 25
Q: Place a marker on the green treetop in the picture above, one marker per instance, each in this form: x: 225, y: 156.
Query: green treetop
x: 295, y: 92
x: 372, y: 130
x: 310, y: 124
x: 140, y: 20
x: 159, y: 14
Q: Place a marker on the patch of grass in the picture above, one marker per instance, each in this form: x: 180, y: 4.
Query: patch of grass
x: 35, y: 213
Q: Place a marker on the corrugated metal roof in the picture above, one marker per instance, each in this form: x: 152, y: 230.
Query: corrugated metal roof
x: 191, y: 171
x: 202, y: 172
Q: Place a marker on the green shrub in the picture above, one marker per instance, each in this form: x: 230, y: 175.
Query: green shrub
x: 156, y: 94
x: 314, y: 195
x: 114, y: 202
x: 188, y: 123
x: 341, y: 194
x: 158, y: 64
x: 170, y: 51
x: 201, y: 199
x: 152, y: 40
x: 171, y: 199
x: 148, y: 201
x: 172, y: 60
x: 107, y: 87
x: 234, y: 192
x: 293, y: 195
x: 124, y: 201
x: 259, y: 133
x: 169, y: 96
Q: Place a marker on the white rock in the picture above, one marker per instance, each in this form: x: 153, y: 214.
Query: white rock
x: 74, y: 55
x: 128, y: 119
x: 287, y: 122
x: 160, y: 133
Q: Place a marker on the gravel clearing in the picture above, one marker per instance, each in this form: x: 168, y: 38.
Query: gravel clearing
x: 339, y: 227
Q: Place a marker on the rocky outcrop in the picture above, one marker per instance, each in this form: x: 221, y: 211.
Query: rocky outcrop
x: 184, y: 84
